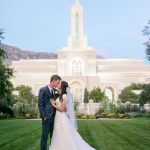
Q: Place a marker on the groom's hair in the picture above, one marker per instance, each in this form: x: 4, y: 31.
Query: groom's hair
x: 55, y: 78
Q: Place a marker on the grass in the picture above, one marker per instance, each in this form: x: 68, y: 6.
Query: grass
x: 101, y: 134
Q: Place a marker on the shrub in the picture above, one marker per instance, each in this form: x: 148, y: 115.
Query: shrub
x: 91, y: 117
x: 121, y: 115
x: 78, y: 115
x: 135, y: 108
x: 33, y: 111
x: 104, y: 106
x: 2, y: 116
x: 111, y: 115
x: 147, y: 115
x: 135, y: 114
x: 27, y: 116
x: 6, y: 111
x: 84, y: 117
x: 138, y: 114
x: 121, y: 109
x: 103, y: 115
x: 22, y: 109
x: 112, y: 108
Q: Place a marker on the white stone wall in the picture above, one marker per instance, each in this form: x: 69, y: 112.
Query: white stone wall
x: 88, y: 108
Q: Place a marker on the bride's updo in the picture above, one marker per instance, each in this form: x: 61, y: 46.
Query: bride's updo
x: 64, y: 86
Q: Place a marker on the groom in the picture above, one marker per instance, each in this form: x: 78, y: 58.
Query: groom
x: 47, y: 111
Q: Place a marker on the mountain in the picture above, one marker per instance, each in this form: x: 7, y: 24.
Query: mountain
x: 100, y: 57
x: 15, y: 53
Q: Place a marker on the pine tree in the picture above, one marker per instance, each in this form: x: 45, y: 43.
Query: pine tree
x: 86, y: 94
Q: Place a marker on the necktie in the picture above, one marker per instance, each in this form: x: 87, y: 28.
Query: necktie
x: 52, y: 94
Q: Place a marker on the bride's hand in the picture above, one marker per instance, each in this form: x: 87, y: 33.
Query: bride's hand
x: 53, y: 103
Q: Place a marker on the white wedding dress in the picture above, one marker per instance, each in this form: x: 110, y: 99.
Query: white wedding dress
x: 65, y: 136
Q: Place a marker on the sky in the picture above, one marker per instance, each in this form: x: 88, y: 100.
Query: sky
x: 113, y: 27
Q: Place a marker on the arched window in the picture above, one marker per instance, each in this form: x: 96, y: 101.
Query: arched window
x: 109, y: 92
x: 76, y: 68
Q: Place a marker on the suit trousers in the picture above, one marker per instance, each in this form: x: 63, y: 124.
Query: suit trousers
x: 47, y: 128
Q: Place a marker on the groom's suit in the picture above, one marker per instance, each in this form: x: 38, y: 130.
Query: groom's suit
x: 47, y: 113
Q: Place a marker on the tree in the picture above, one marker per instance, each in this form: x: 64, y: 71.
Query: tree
x: 137, y: 86
x: 145, y: 95
x: 146, y: 32
x: 1, y: 34
x: 127, y: 93
x: 2, y: 52
x: 97, y: 95
x: 25, y: 104
x: 6, y: 73
x: 6, y: 87
x: 86, y: 94
x: 25, y: 95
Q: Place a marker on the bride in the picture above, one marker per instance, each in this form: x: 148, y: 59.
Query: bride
x: 65, y: 135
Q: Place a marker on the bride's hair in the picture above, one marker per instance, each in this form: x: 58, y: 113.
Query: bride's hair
x: 64, y: 86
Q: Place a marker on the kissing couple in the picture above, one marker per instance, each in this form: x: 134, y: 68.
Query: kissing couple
x: 56, y: 109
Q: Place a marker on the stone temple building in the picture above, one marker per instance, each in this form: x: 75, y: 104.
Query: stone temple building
x: 77, y: 63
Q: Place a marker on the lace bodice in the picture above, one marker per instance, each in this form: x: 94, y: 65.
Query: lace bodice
x: 58, y: 102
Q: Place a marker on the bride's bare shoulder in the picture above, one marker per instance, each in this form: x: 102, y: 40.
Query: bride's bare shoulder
x: 64, y: 96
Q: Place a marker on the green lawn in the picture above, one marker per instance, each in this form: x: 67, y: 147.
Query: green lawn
x: 101, y: 134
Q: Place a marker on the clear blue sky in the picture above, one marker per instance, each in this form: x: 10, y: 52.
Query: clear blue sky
x: 113, y: 27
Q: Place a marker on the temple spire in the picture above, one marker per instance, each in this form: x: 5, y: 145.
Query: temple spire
x: 77, y: 1
x: 77, y: 39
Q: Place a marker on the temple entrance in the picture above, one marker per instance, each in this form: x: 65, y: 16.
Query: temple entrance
x: 77, y: 92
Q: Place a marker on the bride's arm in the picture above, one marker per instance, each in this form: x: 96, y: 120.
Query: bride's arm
x: 61, y: 108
